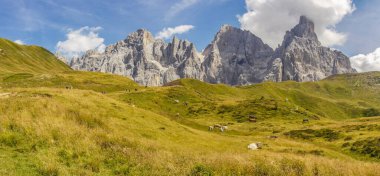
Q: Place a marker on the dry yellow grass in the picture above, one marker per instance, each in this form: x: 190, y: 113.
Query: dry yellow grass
x: 65, y: 132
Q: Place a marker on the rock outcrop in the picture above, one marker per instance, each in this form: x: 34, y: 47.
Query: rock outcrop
x: 234, y: 57
x: 147, y: 60
x: 60, y: 57
x: 303, y: 58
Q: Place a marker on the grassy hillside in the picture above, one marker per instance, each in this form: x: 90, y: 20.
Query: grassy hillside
x: 79, y: 123
x: 49, y: 131
x: 30, y: 59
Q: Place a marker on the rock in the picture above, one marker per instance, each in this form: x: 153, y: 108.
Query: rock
x: 255, y: 146
x: 60, y: 57
x: 148, y: 61
x: 303, y: 58
x: 234, y: 57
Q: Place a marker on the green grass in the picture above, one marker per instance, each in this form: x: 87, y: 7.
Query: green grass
x: 55, y: 121
x: 28, y: 59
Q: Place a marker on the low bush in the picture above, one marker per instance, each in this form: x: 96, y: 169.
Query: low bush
x: 369, y: 147
x: 201, y: 170
x: 309, y: 134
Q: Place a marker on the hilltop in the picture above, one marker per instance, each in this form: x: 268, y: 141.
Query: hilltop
x: 31, y: 59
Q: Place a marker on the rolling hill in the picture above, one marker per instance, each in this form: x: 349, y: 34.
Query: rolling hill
x: 31, y: 59
x: 55, y: 121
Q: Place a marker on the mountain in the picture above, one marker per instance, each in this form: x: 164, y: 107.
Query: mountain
x: 306, y: 128
x: 146, y: 60
x: 106, y: 126
x: 22, y: 58
x: 303, y: 58
x: 234, y: 57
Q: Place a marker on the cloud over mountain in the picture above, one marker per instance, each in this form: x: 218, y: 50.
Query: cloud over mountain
x: 270, y: 19
x: 166, y: 33
x: 79, y: 41
x: 365, y: 63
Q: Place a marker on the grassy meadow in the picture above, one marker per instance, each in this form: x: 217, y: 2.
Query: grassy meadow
x: 55, y: 121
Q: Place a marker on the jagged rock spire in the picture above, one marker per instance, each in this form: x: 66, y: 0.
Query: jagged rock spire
x: 305, y: 29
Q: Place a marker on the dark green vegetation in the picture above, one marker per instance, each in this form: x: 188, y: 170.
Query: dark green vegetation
x: 369, y: 146
x: 327, y: 134
x: 55, y: 121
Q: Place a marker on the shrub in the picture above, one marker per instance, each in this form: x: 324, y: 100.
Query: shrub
x: 346, y: 144
x: 371, y: 112
x: 309, y: 134
x: 10, y: 140
x: 317, y: 152
x: 369, y: 147
x: 348, y: 138
x: 201, y: 170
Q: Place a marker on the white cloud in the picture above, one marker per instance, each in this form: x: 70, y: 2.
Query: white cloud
x: 79, y: 41
x: 365, y: 63
x: 166, y: 33
x: 270, y: 19
x: 20, y: 42
x: 179, y: 7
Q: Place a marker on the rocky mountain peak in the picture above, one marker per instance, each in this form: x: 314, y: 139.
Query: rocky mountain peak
x: 305, y: 29
x: 234, y: 57
x: 146, y: 60
x: 141, y: 36
x: 225, y: 28
x: 303, y: 58
x: 228, y: 30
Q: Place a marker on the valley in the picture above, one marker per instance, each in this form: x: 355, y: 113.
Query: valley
x: 71, y: 122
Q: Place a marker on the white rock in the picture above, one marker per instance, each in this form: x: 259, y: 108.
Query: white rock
x: 253, y: 146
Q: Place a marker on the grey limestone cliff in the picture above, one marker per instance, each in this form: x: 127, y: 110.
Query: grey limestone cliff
x: 234, y: 57
x: 303, y: 58
x: 147, y: 60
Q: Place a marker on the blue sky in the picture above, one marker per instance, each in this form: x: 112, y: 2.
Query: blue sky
x: 45, y: 22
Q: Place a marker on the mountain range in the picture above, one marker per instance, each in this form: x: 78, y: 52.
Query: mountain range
x: 57, y: 121
x: 234, y: 57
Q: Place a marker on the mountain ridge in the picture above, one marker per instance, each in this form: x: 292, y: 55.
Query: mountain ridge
x: 120, y: 124
x: 234, y: 57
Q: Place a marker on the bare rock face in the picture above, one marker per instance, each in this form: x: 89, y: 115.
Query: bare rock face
x: 147, y: 60
x: 236, y: 57
x: 303, y: 58
x: 61, y: 58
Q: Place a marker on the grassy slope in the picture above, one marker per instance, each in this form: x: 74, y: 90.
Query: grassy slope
x: 30, y: 59
x: 108, y: 125
x: 48, y: 131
